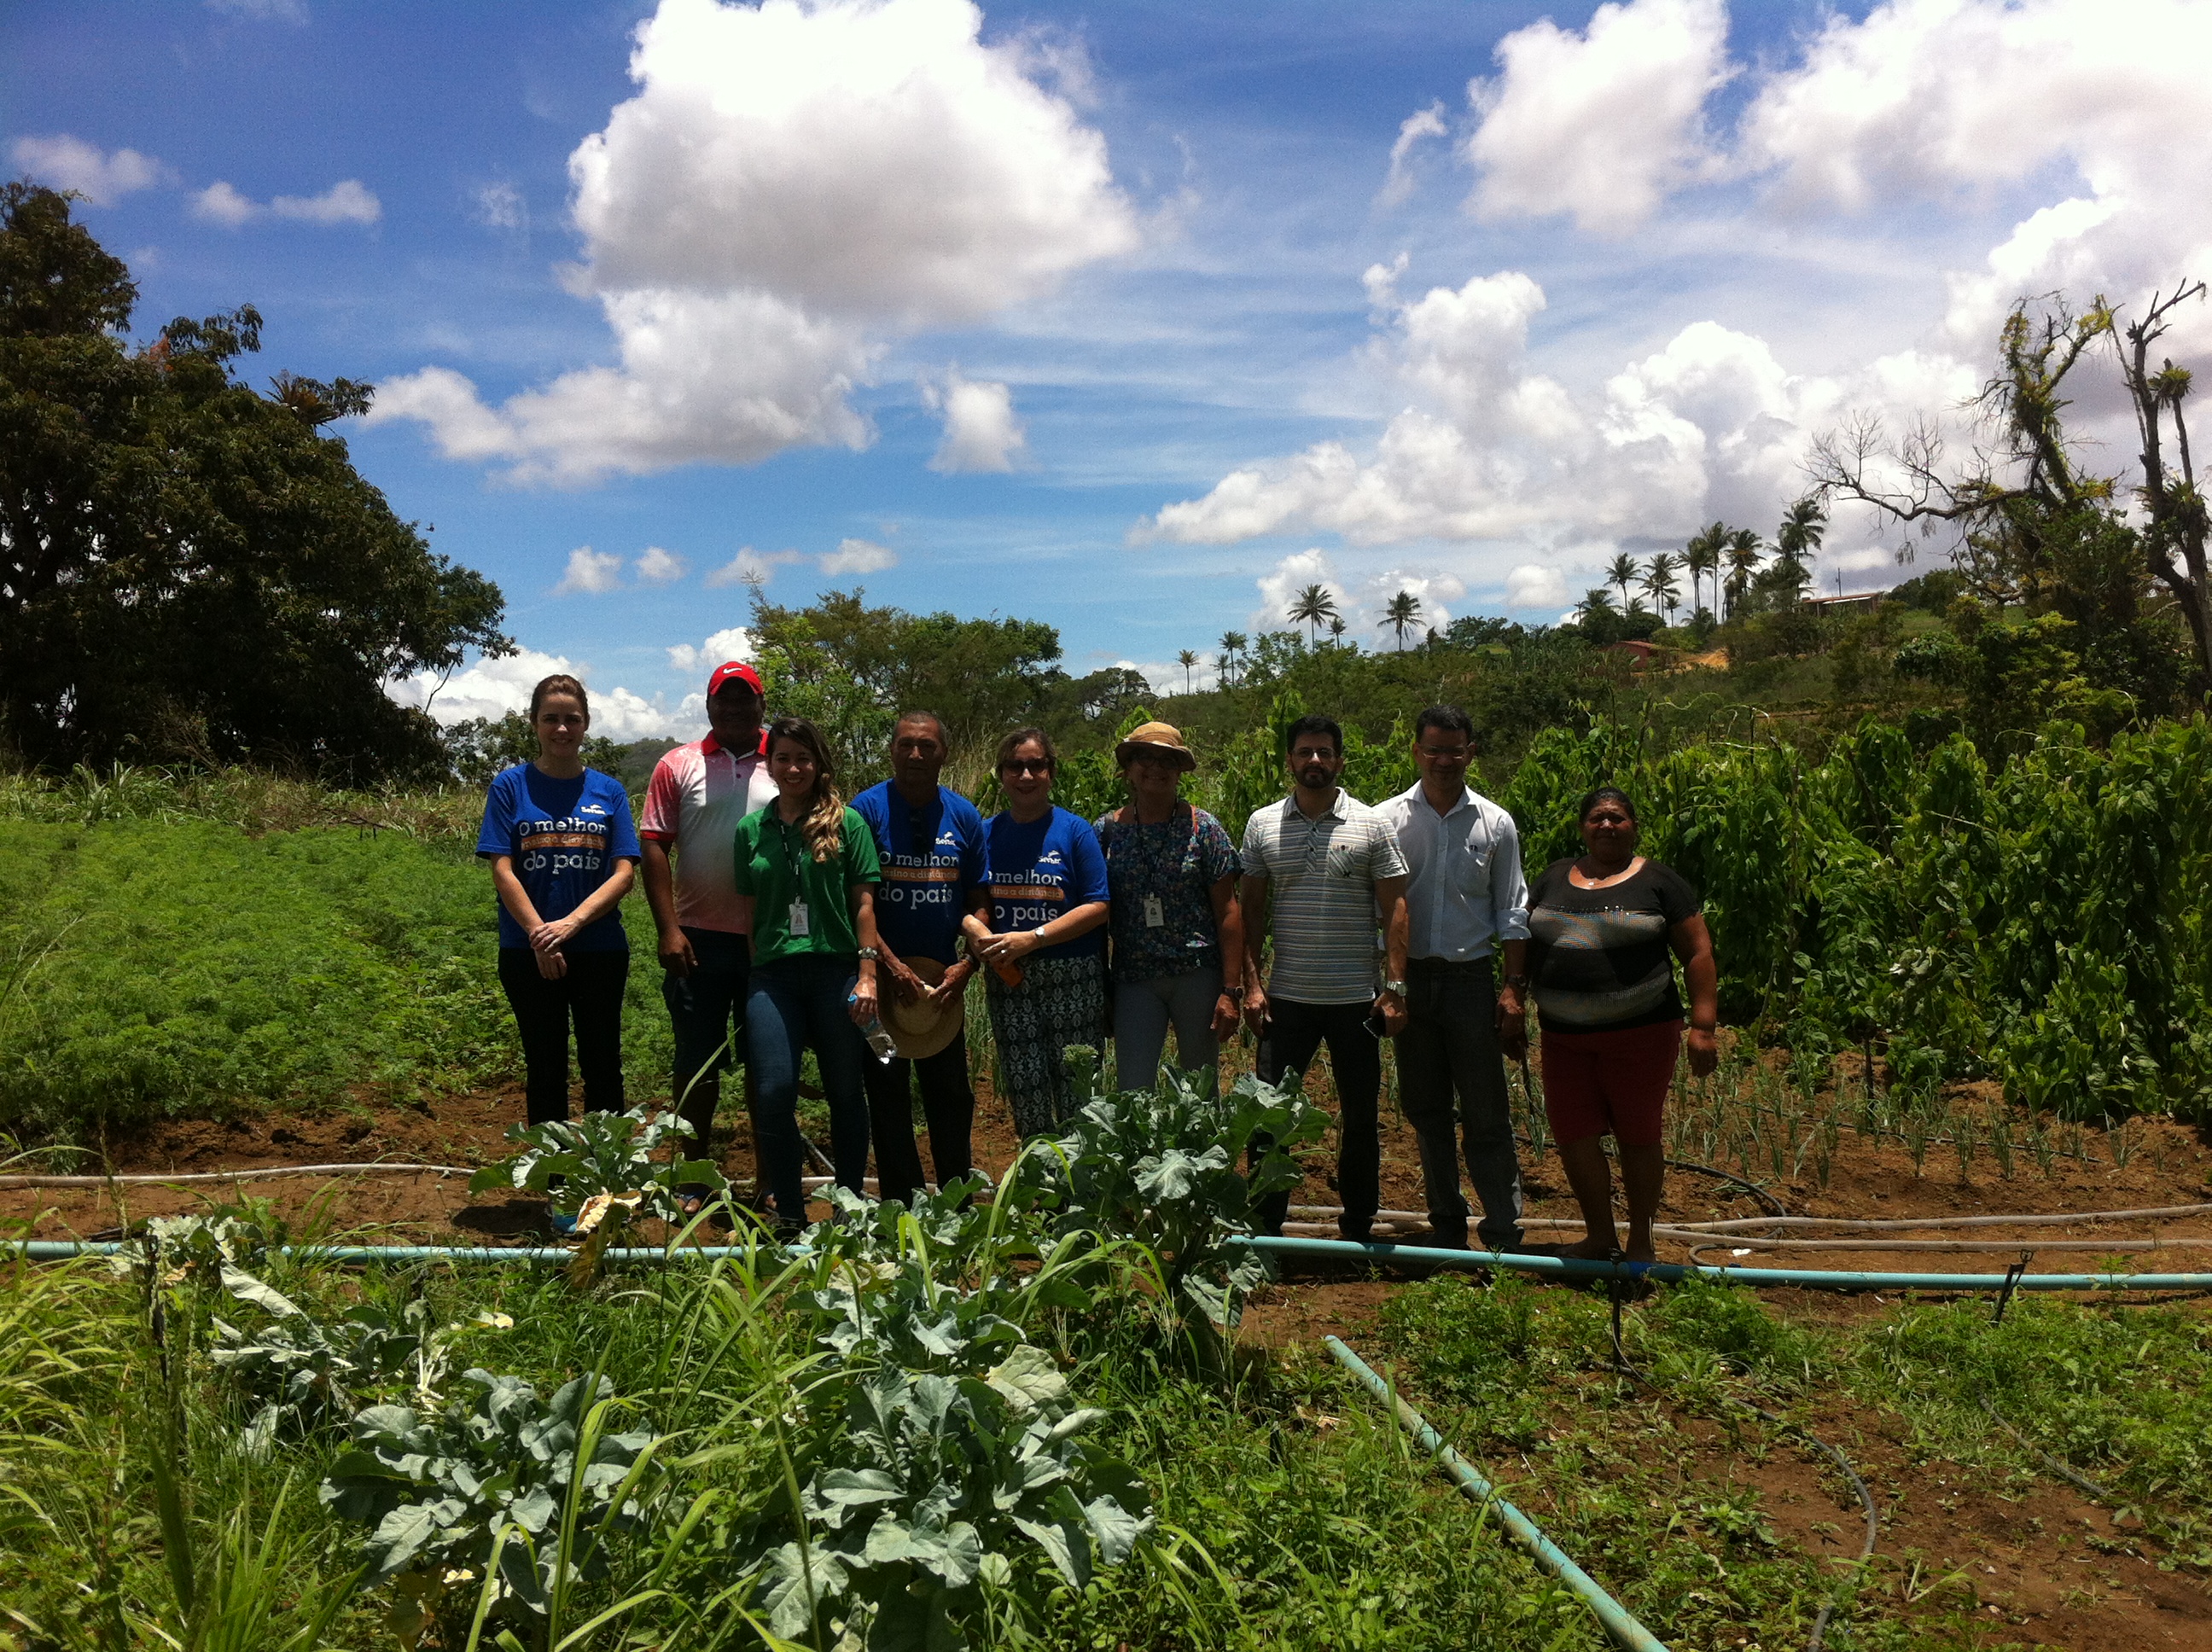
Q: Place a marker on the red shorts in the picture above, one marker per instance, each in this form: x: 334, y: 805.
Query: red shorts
x: 1595, y: 1081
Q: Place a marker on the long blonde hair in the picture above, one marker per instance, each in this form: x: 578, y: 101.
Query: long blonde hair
x: 822, y: 826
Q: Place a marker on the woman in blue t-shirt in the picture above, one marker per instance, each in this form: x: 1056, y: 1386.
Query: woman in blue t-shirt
x: 1036, y: 928
x: 563, y: 851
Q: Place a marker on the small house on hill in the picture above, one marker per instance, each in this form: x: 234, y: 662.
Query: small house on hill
x: 1640, y: 653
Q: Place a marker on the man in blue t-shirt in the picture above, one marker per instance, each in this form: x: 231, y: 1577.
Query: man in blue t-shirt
x: 931, y: 842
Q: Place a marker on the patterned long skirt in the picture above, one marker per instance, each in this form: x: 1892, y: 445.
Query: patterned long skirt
x: 1061, y: 1002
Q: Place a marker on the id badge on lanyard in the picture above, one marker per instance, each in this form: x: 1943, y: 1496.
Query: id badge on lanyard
x: 798, y: 925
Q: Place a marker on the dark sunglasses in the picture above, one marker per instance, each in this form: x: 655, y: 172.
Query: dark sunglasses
x: 1026, y: 766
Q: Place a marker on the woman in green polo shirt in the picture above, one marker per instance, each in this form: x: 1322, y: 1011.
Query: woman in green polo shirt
x: 806, y: 865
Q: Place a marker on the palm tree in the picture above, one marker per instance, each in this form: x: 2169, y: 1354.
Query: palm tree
x: 1401, y: 611
x: 1187, y: 658
x: 1702, y: 555
x: 1740, y: 551
x: 1804, y: 524
x: 1596, y: 600
x: 1659, y: 584
x: 1621, y: 574
x: 1232, y: 644
x: 1311, y: 606
x: 1337, y: 628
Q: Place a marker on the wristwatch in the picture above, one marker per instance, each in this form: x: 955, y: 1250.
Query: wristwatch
x: 1518, y: 983
x: 871, y: 953
x: 1395, y: 987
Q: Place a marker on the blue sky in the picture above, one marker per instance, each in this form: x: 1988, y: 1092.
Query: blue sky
x: 1119, y: 316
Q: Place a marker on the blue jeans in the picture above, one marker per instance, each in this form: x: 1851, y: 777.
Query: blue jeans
x: 701, y: 1007
x: 796, y: 1003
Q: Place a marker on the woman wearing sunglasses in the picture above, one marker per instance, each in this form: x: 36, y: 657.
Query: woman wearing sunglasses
x: 1037, y: 927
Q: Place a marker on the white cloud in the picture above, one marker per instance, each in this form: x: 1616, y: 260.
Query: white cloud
x: 659, y: 567
x: 492, y: 688
x: 751, y: 566
x: 590, y: 573
x: 859, y: 556
x: 347, y: 202
x: 69, y: 163
x: 1433, y: 590
x: 734, y: 643
x: 1422, y: 123
x: 1489, y: 449
x: 220, y: 203
x: 1532, y: 585
x: 789, y: 183
x: 1167, y: 677
x: 1602, y: 124
x: 981, y: 430
x: 499, y: 205
x: 1288, y: 577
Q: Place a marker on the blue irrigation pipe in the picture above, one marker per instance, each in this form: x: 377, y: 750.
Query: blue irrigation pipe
x: 1618, y: 1622
x: 58, y: 1250
x: 1571, y: 1268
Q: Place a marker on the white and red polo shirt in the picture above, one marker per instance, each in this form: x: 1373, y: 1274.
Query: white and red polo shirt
x: 698, y: 794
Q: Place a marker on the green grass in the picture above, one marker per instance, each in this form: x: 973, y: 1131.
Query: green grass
x: 164, y: 969
x: 1293, y: 1514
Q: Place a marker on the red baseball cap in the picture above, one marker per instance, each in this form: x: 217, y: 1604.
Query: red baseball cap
x: 735, y: 671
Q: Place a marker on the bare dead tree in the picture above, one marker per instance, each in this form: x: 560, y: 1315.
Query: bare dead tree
x: 2169, y: 496
x: 2029, y: 474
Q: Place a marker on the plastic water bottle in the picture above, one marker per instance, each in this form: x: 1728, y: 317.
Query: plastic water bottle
x: 878, y: 1035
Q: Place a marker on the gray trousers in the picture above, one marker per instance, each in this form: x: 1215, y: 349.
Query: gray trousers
x: 1143, y: 1010
x: 1450, y: 1047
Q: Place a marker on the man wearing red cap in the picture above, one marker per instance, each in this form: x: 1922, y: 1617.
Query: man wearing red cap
x: 698, y: 794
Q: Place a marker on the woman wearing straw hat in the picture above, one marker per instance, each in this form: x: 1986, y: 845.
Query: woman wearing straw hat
x: 1174, y: 925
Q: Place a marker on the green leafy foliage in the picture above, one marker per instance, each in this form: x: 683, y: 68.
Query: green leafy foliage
x: 918, y: 1491
x: 1165, y: 1167
x: 501, y: 1491
x: 602, y: 1165
x: 299, y: 1369
x: 195, y: 569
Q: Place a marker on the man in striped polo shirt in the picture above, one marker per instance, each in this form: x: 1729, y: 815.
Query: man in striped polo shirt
x: 1324, y: 874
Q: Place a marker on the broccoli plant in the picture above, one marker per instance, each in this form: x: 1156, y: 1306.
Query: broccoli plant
x: 503, y: 1501
x: 918, y: 1492
x: 199, y: 1248
x: 1166, y: 1167
x: 601, y: 1169
x: 299, y: 1370
x: 926, y: 1285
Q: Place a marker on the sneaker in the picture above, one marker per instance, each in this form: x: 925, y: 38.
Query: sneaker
x: 565, y: 1225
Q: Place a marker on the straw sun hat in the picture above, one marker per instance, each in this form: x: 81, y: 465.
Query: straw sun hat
x: 1152, y: 739
x: 919, y: 1029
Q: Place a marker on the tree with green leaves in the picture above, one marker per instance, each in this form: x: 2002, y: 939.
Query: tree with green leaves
x: 190, y: 569
x: 1596, y: 600
x: 1658, y: 583
x: 1702, y: 556
x: 1740, y: 551
x: 1187, y: 658
x: 1231, y: 645
x: 1620, y: 574
x: 1804, y: 524
x: 853, y: 667
x: 1313, y: 606
x: 1402, y: 610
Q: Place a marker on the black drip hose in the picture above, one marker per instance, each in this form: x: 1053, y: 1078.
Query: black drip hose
x: 2051, y: 1464
x: 1619, y: 1291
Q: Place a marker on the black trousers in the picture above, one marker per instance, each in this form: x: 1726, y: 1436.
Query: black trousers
x: 1450, y: 1049
x: 591, y: 996
x: 1294, y: 1034
x: 948, y: 1102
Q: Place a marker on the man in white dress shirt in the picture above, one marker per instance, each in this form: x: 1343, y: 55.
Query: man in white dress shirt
x: 1467, y: 903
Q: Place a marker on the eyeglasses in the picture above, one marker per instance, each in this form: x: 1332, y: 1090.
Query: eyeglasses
x: 1026, y: 766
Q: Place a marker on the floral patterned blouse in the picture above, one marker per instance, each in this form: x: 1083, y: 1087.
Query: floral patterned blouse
x: 1166, y: 871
